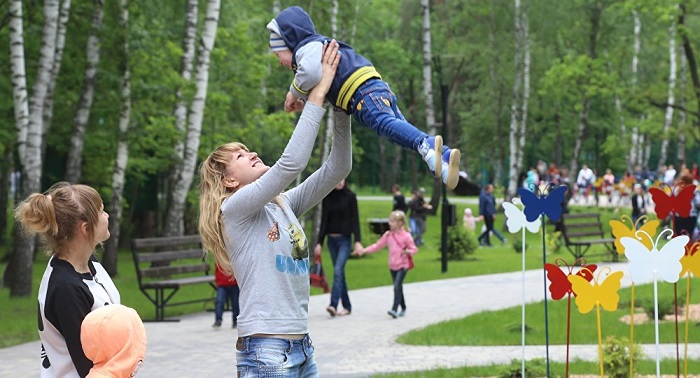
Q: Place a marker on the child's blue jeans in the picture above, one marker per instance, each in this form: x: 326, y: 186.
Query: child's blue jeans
x: 273, y: 357
x: 224, y: 294
x: 374, y: 105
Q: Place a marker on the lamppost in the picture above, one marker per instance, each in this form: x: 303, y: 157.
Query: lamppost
x: 448, y: 210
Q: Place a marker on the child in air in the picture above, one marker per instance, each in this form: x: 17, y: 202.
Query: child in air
x: 357, y: 88
x: 401, y: 251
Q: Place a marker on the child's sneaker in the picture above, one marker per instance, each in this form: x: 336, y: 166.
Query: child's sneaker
x: 217, y: 324
x: 393, y: 314
x: 444, y: 164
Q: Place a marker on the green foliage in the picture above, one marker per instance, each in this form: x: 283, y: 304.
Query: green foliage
x: 518, y: 245
x: 666, y: 305
x: 533, y: 368
x: 554, y: 241
x: 616, y: 356
x: 460, y: 243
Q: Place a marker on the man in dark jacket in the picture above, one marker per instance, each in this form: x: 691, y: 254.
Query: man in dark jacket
x: 487, y: 209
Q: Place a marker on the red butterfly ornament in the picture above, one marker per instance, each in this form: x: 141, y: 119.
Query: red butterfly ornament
x: 559, y: 283
x: 680, y: 202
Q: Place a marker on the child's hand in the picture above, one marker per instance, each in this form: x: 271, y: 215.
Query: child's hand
x: 292, y: 103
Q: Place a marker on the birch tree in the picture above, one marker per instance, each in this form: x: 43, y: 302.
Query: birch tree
x: 427, y: 69
x: 63, y: 18
x: 176, y: 210
x: 122, y: 158
x: 682, y: 116
x: 521, y: 88
x: 18, y: 274
x: 668, y: 117
x: 634, y: 157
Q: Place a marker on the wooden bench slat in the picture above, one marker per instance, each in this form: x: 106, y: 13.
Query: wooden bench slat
x: 170, y: 255
x: 179, y: 282
x: 595, y: 225
x: 165, y: 241
x: 165, y: 271
x: 579, y: 234
x: 580, y: 215
x: 581, y: 230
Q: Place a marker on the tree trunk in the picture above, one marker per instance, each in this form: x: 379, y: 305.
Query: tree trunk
x: 175, y: 215
x: 689, y: 55
x: 63, y: 18
x: 18, y: 274
x: 525, y: 43
x: 19, y: 76
x: 180, y: 112
x: 120, y: 163
x: 668, y: 118
x: 634, y: 156
x: 582, y: 123
x: 82, y: 115
x: 427, y: 70
x: 682, y: 116
x: 514, y: 137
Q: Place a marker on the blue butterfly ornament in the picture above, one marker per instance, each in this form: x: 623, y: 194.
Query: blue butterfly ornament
x: 549, y: 205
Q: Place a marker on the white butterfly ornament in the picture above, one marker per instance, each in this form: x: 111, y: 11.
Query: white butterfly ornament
x: 516, y: 220
x: 664, y: 263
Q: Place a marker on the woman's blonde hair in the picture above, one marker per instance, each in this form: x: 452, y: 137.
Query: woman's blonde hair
x: 399, y: 216
x: 56, y: 214
x: 212, y: 194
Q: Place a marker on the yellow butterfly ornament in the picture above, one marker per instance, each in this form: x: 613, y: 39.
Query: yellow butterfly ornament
x: 620, y: 229
x: 597, y: 293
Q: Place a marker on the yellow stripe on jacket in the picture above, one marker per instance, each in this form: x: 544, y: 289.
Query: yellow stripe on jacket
x: 352, y: 83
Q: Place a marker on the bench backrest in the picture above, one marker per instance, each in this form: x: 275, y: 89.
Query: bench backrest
x: 168, y: 257
x: 580, y: 226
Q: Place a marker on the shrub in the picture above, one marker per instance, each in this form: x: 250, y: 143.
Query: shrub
x: 460, y: 243
x: 533, y: 368
x: 518, y: 245
x: 666, y: 306
x: 616, y: 356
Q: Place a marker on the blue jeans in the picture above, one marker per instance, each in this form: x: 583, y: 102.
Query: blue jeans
x: 418, y: 228
x: 340, y: 252
x: 223, y: 294
x: 272, y: 357
x: 373, y: 105
x: 398, y: 276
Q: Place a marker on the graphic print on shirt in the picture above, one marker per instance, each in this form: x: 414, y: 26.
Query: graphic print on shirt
x: 300, y: 248
x: 45, y: 363
x: 274, y: 234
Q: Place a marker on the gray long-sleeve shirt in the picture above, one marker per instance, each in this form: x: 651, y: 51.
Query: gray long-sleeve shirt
x: 268, y: 248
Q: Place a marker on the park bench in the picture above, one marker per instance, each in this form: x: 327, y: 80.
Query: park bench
x: 583, y: 230
x: 165, y: 264
x: 378, y: 226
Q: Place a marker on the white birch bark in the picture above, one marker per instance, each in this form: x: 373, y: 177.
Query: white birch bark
x: 582, y: 123
x: 427, y: 70
x: 682, y: 116
x: 329, y: 116
x: 63, y: 18
x: 514, y: 136
x: 175, y: 215
x: 18, y: 271
x: 82, y: 115
x: 188, y: 55
x: 525, y: 41
x: 19, y: 76
x: 668, y: 117
x: 122, y: 158
x: 634, y: 155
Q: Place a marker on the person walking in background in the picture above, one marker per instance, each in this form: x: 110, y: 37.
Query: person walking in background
x: 357, y: 89
x: 71, y: 221
x: 114, y: 339
x: 469, y: 220
x: 340, y: 222
x: 487, y: 209
x: 227, y: 290
x: 639, y: 204
x: 419, y: 209
x: 399, y: 199
x: 584, y: 182
x: 252, y: 227
x: 669, y: 175
x: 401, y: 251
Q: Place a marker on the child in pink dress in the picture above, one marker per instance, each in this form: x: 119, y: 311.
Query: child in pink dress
x: 401, y: 250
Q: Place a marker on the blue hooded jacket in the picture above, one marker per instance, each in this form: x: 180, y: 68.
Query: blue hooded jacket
x: 297, y: 30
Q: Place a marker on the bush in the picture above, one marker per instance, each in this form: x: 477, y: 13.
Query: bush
x: 616, y: 356
x: 460, y: 243
x: 666, y: 306
x: 518, y: 245
x: 533, y: 368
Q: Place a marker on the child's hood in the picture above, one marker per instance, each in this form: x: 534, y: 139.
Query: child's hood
x: 294, y: 25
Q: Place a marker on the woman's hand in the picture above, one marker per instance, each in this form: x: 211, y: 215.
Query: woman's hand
x: 329, y: 62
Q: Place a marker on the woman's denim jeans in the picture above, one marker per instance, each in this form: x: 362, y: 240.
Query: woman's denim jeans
x: 340, y: 252
x: 398, y: 276
x: 374, y: 106
x: 272, y: 357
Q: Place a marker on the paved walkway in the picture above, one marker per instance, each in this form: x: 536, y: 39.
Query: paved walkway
x: 351, y: 346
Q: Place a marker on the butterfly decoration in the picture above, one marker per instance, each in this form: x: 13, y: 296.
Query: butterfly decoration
x: 691, y: 260
x: 559, y: 284
x: 620, y: 229
x: 549, y: 205
x: 645, y: 263
x: 597, y: 293
x: 516, y: 220
x: 680, y: 202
